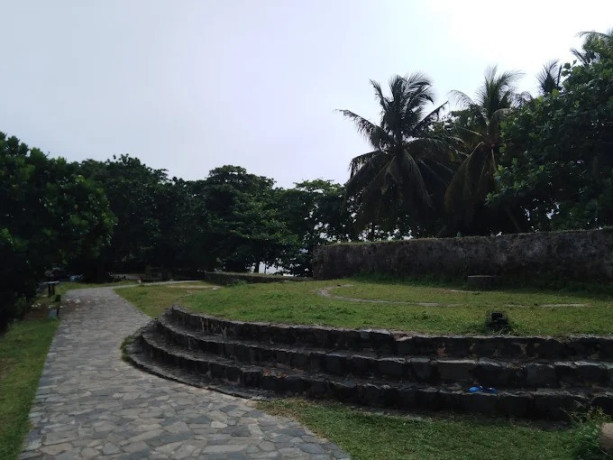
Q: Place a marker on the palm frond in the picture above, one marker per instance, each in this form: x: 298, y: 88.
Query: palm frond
x: 363, y: 173
x: 549, y: 77
x: 461, y: 99
x: 383, y: 102
x: 412, y: 171
x: 375, y: 134
x: 429, y: 118
x: 358, y: 162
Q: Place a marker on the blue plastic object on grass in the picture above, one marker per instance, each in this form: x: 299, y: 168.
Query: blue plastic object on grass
x: 480, y: 389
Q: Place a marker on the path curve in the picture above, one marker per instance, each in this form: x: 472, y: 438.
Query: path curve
x: 326, y: 292
x: 91, y: 404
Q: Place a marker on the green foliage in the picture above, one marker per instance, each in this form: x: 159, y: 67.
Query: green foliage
x: 557, y: 165
x: 133, y: 190
x: 586, y: 445
x: 313, y: 211
x: 51, y: 214
x: 245, y: 224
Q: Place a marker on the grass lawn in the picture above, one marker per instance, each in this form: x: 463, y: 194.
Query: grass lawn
x: 154, y: 299
x: 23, y: 350
x: 368, y: 435
x: 458, y: 311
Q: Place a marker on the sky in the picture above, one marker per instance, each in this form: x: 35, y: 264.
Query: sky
x: 191, y: 85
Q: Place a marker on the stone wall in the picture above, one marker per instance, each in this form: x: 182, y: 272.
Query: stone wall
x: 575, y: 255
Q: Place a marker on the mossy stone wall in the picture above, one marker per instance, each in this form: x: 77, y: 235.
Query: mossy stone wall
x: 573, y: 255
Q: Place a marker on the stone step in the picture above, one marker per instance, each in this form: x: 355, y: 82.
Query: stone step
x: 162, y: 357
x: 421, y: 369
x: 402, y: 344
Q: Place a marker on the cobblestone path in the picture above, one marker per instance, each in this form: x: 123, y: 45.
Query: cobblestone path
x: 91, y: 404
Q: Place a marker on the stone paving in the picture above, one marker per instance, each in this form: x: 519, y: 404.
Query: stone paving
x: 91, y: 404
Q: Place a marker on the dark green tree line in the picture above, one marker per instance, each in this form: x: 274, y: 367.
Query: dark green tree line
x: 50, y: 215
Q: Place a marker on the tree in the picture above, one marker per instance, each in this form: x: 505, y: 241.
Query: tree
x: 557, y: 166
x: 132, y: 189
x: 51, y: 214
x: 245, y: 228
x: 478, y: 126
x: 313, y: 211
x: 407, y: 172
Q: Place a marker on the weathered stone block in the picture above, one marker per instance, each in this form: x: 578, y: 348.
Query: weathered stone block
x: 484, y: 347
x: 295, y: 384
x: 334, y: 363
x: 251, y: 378
x: 493, y: 373
x: 377, y: 395
x: 515, y: 405
x: 558, y: 405
x: 540, y: 375
x: 427, y: 398
x: 512, y: 348
x: 590, y: 373
x: 271, y: 382
x: 423, y: 369
x: 381, y: 341
x: 456, y: 347
x: 608, y: 370
x: 217, y: 370
x: 586, y: 347
x: 228, y: 350
x: 425, y: 345
x: 241, y: 353
x: 551, y: 349
x: 606, y: 349
x: 605, y: 401
x: 317, y: 361
x: 301, y: 359
x: 405, y: 346
x: 233, y: 374
x: 360, y: 366
x: 348, y: 339
x: 480, y: 403
x: 318, y: 388
x: 458, y: 370
x: 405, y: 397
x: 282, y: 356
x: 324, y: 337
x: 345, y: 391
x: 566, y: 373
x: 392, y: 367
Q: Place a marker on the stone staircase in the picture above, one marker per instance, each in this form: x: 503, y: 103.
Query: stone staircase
x: 534, y: 377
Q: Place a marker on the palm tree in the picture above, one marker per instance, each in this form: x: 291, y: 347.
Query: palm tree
x: 550, y: 78
x: 407, y: 170
x: 478, y: 125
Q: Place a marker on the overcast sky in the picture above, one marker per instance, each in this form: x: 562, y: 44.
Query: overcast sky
x: 190, y: 85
